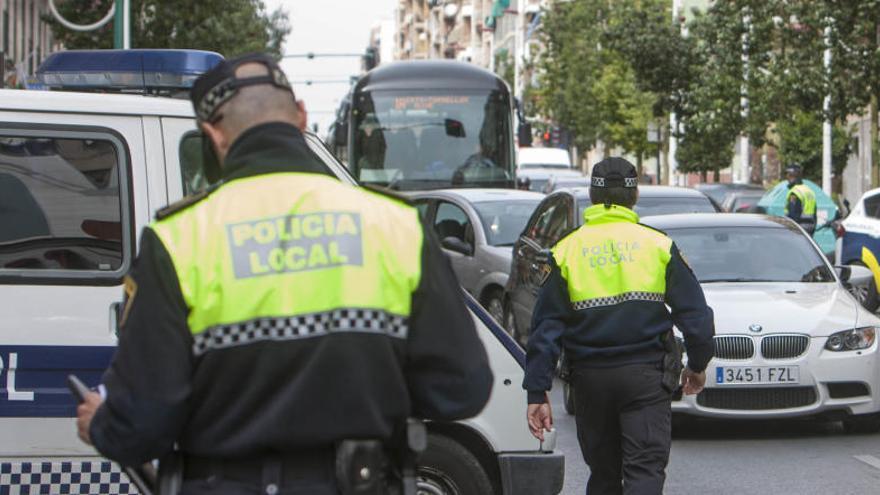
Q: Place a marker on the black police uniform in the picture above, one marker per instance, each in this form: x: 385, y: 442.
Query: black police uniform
x: 615, y: 353
x: 159, y: 394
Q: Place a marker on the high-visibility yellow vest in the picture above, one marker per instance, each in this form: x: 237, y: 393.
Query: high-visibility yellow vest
x: 807, y: 198
x: 291, y: 255
x: 612, y: 259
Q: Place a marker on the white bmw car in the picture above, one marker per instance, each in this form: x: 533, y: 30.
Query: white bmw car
x: 790, y: 339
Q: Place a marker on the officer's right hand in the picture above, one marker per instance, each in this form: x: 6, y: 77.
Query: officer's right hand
x: 540, y: 418
x: 692, y: 382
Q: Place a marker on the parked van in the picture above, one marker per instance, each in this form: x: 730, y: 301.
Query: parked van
x: 81, y: 174
x: 538, y: 165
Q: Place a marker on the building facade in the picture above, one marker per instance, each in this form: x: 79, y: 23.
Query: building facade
x: 25, y: 38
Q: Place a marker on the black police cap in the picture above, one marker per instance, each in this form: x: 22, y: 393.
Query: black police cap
x: 614, y: 172
x: 794, y: 168
x: 217, y: 86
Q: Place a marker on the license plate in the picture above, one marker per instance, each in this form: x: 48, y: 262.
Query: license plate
x: 734, y: 375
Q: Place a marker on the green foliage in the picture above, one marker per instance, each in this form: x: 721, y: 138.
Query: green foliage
x: 800, y: 141
x: 606, y: 61
x: 586, y: 84
x: 230, y: 27
x: 624, y: 109
x: 709, y: 111
x: 504, y: 66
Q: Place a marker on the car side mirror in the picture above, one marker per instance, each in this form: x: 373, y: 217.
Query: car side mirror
x: 457, y: 245
x: 854, y: 274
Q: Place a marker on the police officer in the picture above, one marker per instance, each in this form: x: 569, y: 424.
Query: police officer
x: 800, y: 203
x: 604, y: 303
x: 280, y: 313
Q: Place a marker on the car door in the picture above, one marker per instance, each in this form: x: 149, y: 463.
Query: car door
x: 524, y: 286
x: 452, y: 221
x: 73, y: 195
x: 862, y: 231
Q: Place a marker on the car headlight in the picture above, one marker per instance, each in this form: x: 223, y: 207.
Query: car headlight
x: 852, y: 340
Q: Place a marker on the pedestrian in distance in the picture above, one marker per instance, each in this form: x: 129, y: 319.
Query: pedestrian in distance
x: 281, y: 315
x: 604, y: 302
x: 800, y: 203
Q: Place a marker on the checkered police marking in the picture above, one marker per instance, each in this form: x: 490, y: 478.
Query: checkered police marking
x: 63, y: 477
x: 621, y: 298
x: 300, y: 327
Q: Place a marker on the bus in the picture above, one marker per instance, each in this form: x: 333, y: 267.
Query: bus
x: 430, y: 124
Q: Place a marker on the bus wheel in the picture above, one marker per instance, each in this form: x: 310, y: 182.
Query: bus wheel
x: 447, y: 468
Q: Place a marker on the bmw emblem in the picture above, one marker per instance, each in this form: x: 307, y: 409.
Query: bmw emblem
x: 755, y: 328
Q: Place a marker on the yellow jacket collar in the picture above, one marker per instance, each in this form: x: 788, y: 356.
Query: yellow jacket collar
x: 599, y: 214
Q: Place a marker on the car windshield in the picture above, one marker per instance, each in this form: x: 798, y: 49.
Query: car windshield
x: 750, y: 254
x: 431, y: 139
x: 652, y: 206
x: 503, y: 221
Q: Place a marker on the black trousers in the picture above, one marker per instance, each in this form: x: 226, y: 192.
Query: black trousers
x: 624, y: 425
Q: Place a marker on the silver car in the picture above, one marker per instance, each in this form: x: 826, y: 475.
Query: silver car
x: 477, y: 229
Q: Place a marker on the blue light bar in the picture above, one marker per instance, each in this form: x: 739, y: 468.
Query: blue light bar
x: 140, y: 71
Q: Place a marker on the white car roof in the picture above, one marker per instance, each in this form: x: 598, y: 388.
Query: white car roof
x: 543, y: 156
x: 97, y: 103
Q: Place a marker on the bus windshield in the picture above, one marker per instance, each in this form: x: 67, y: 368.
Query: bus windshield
x: 432, y: 139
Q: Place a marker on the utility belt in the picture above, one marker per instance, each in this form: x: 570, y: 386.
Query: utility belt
x: 355, y: 467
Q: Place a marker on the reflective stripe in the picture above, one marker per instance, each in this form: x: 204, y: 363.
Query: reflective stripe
x: 807, y: 198
x: 621, y: 298
x: 300, y: 327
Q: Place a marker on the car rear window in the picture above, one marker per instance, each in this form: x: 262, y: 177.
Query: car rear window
x: 652, y: 206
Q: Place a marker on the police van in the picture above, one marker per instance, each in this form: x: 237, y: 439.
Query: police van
x: 81, y: 173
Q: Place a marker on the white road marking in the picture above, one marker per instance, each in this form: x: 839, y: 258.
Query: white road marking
x: 869, y: 460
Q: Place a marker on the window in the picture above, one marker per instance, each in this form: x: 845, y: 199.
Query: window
x: 61, y: 197
x: 419, y: 139
x: 192, y: 163
x: 422, y: 205
x: 552, y: 223
x: 503, y: 221
x: 452, y: 221
x: 872, y: 206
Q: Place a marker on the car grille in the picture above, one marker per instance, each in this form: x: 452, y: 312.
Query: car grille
x: 784, y: 346
x: 734, y: 347
x: 757, y: 398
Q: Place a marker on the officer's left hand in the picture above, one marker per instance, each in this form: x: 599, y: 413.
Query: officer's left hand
x: 84, y: 414
x: 540, y: 418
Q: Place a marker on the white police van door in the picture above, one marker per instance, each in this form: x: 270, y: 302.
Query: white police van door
x: 73, y: 194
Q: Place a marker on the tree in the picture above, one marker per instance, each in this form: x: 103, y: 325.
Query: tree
x: 709, y: 110
x: 800, y: 141
x: 625, y: 111
x: 586, y: 84
x: 229, y: 27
